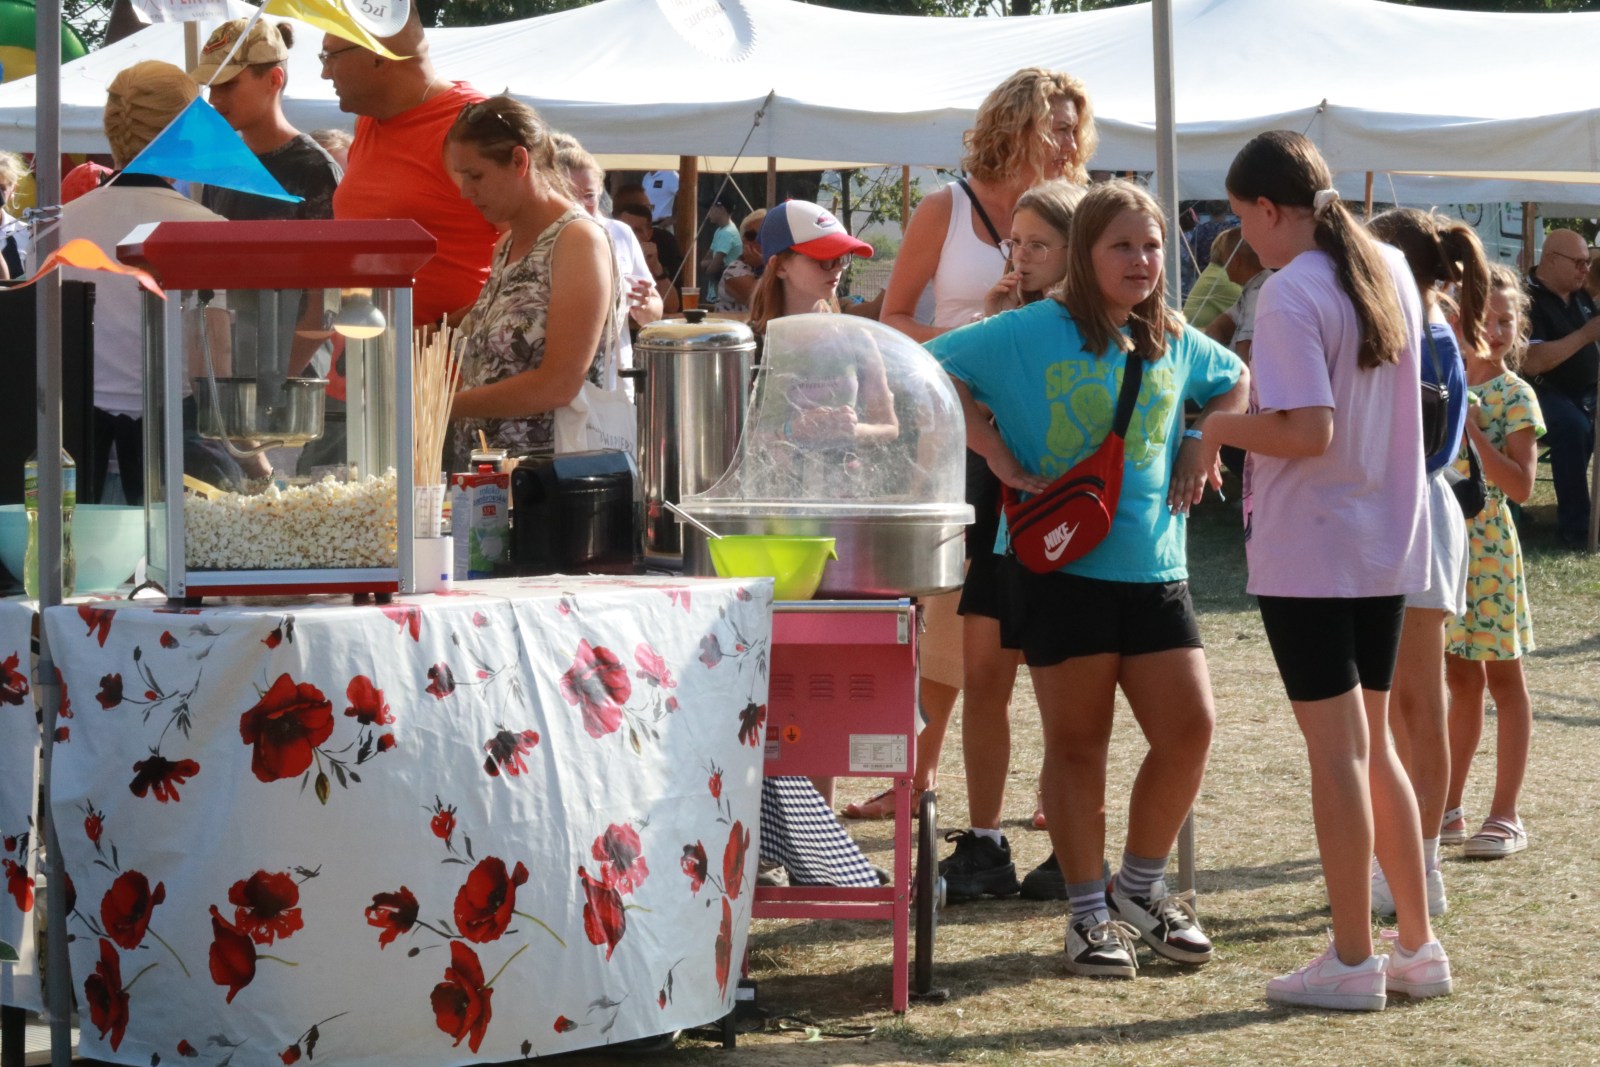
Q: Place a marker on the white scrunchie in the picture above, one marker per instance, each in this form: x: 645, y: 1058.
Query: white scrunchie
x: 1323, y: 197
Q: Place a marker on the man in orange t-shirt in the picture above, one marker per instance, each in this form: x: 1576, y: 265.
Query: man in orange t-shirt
x: 396, y: 167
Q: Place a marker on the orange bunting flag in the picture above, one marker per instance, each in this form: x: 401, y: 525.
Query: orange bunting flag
x: 86, y: 255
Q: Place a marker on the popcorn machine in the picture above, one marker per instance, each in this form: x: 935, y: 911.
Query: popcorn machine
x: 278, y: 405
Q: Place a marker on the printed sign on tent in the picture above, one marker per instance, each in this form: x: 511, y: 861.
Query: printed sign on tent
x: 180, y: 10
x: 199, y: 146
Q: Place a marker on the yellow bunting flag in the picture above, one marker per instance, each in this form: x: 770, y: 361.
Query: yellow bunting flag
x: 330, y: 16
x: 86, y: 255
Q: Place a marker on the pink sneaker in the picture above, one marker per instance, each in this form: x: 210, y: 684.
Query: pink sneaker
x: 1327, y: 983
x: 1419, y: 974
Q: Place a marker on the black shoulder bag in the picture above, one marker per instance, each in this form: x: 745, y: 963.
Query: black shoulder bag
x: 982, y: 214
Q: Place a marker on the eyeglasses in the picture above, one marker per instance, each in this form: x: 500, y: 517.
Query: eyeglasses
x: 327, y: 57
x: 1578, y: 261
x: 1035, y: 249
x: 751, y: 235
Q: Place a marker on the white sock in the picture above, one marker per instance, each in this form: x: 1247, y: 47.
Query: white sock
x: 1430, y: 853
x: 992, y: 835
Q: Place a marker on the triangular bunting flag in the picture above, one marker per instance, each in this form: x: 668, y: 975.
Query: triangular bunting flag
x: 200, y: 146
x: 86, y: 255
x: 329, y: 16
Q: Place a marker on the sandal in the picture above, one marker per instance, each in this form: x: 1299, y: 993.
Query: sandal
x: 1457, y: 836
x: 880, y: 806
x: 1497, y: 839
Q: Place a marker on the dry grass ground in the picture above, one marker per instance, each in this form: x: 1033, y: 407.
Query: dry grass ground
x: 1520, y: 931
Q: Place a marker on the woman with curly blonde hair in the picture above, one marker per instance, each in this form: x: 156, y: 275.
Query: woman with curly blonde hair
x: 1034, y: 127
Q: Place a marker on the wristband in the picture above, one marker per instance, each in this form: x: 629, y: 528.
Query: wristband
x: 1193, y: 434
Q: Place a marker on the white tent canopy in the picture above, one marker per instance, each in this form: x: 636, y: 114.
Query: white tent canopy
x: 1378, y: 86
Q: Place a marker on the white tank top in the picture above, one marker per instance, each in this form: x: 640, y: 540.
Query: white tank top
x: 968, y: 266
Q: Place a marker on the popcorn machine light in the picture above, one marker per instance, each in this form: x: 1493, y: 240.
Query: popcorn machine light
x: 278, y: 405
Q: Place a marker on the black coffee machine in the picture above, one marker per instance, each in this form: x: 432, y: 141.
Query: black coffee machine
x: 574, y: 514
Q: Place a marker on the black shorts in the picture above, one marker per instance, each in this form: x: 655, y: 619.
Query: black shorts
x: 983, y: 591
x: 1327, y: 646
x: 983, y: 493
x: 1054, y: 617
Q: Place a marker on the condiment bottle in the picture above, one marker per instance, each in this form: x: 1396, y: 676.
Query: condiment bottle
x: 69, y: 500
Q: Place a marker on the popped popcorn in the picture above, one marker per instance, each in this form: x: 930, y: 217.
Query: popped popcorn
x: 326, y: 524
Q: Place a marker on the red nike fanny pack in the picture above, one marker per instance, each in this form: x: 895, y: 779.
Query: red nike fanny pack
x: 1074, y: 514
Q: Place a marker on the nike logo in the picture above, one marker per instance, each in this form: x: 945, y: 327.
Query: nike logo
x: 1057, y: 540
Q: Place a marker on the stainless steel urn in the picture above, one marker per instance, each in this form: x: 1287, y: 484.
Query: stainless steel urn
x: 692, y: 385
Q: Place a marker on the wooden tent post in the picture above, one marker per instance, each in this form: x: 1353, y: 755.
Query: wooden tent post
x: 1530, y: 214
x: 1369, y: 195
x: 686, y: 219
x: 772, y: 182
x: 905, y: 199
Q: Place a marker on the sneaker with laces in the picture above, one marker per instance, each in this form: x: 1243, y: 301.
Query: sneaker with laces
x: 978, y: 867
x: 1045, y: 882
x: 1327, y: 983
x: 1165, y: 922
x: 1420, y: 974
x: 1102, y: 949
x: 1383, y: 899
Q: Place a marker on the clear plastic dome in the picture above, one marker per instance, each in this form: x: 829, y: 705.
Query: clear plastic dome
x: 849, y: 419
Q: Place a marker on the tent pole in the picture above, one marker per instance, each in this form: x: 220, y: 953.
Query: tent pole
x: 686, y: 219
x: 772, y: 182
x: 1167, y: 144
x: 1530, y: 212
x: 1167, y: 184
x: 1369, y: 195
x: 905, y: 199
x: 191, y: 45
x: 47, y: 177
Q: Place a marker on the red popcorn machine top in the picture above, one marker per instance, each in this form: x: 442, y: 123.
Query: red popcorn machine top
x: 278, y: 405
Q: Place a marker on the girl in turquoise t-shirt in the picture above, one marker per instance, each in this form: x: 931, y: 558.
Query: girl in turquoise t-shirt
x: 1119, y: 615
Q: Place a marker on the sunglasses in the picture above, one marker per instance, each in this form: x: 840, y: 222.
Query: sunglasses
x: 837, y: 262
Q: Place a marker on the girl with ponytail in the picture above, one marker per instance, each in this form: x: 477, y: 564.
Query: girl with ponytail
x: 1441, y: 252
x: 1336, y: 532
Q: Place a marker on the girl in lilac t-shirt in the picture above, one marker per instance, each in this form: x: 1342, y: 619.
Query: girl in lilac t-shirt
x: 1337, y: 534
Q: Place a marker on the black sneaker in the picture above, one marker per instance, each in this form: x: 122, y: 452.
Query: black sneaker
x: 1101, y: 949
x: 978, y: 867
x: 1045, y: 882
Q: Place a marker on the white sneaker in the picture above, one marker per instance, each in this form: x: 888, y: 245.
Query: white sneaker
x: 1419, y: 974
x: 1327, y: 983
x: 1383, y: 899
x: 1166, y: 922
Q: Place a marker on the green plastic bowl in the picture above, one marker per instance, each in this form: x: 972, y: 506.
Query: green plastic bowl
x: 794, y: 563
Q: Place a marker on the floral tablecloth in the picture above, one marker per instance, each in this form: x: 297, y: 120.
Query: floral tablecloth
x: 500, y: 823
x: 19, y: 792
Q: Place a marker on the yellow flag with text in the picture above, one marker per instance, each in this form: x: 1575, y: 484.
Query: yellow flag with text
x: 330, y: 16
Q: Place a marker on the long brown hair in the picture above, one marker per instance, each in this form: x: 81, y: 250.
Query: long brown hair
x: 1286, y: 168
x: 1152, y: 321
x: 1442, y: 251
x: 1055, y: 202
x: 767, y: 302
x: 1012, y: 131
x: 496, y: 127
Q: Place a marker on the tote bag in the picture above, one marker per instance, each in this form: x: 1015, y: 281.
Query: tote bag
x: 600, y: 417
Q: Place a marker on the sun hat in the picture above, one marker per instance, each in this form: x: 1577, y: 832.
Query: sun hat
x: 808, y: 229
x: 263, y: 45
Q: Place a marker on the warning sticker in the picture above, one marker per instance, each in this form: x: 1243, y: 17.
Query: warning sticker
x: 774, y: 749
x: 791, y: 734
x: 878, y: 752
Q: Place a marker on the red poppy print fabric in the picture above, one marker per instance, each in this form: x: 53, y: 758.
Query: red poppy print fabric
x: 511, y: 822
x: 19, y: 787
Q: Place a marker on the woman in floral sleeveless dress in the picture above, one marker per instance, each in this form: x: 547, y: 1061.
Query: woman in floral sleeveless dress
x: 539, y: 328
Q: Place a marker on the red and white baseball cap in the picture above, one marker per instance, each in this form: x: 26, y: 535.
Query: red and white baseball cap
x: 808, y: 229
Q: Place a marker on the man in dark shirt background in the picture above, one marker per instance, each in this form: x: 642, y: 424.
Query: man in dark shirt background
x: 1563, y: 365
x: 248, y: 93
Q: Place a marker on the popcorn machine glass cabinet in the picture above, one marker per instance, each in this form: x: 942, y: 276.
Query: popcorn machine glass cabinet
x: 277, y: 440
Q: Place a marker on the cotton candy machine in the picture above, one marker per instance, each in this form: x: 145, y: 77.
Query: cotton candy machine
x: 278, y: 414
x: 855, y: 433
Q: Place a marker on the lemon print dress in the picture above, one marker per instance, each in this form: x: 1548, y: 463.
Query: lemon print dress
x: 1498, y: 624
